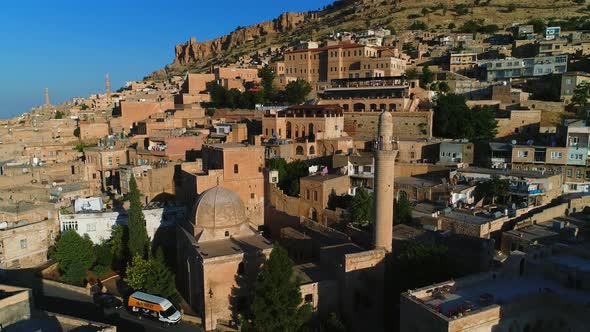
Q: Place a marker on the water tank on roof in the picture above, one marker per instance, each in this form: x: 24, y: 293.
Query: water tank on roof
x: 3, y: 225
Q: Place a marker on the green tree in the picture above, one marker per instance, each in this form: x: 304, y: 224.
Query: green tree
x: 461, y: 9
x: 59, y: 115
x: 402, y: 212
x: 289, y: 174
x: 160, y: 280
x: 218, y: 94
x: 412, y: 74
x: 74, y: 256
x: 581, y: 96
x: 138, y: 238
x: 249, y: 99
x: 454, y: 119
x: 77, y: 132
x: 440, y: 86
x: 418, y: 25
x: 233, y: 97
x: 268, y: 76
x: 276, y: 304
x: 297, y: 91
x: 427, y: 77
x: 425, y: 11
x: 137, y: 272
x: 104, y: 254
x: 452, y: 25
x: 119, y: 248
x: 362, y: 208
x: 492, y: 190
x: 538, y: 24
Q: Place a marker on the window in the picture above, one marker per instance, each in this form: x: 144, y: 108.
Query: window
x: 308, y: 298
x: 226, y: 233
x: 236, y: 169
x: 110, y: 161
x: 315, y: 195
x: 568, y: 81
x: 574, y: 140
x: 556, y: 155
x: 69, y: 225
x: 91, y: 227
x: 252, y: 195
x: 569, y: 173
x: 307, y: 194
x: 23, y: 244
x: 573, y: 186
x: 523, y: 154
x: 578, y: 174
x: 576, y: 156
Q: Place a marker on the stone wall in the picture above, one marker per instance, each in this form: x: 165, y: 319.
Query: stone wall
x: 16, y: 307
x: 405, y: 124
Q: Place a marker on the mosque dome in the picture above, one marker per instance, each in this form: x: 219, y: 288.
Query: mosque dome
x: 218, y: 208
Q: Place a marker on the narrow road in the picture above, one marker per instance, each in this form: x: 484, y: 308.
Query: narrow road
x: 63, y: 301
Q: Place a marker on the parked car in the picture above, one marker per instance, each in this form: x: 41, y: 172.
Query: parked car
x: 107, y: 301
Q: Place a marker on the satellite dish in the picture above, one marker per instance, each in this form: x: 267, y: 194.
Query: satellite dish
x: 60, y: 189
x: 513, y: 142
x: 54, y: 184
x: 530, y: 142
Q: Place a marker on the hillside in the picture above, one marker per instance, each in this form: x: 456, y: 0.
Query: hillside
x: 354, y: 15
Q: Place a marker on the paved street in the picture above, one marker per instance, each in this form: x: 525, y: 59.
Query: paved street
x: 62, y: 301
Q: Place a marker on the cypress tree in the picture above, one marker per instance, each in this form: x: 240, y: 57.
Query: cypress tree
x: 277, y: 298
x: 138, y: 238
x: 160, y: 280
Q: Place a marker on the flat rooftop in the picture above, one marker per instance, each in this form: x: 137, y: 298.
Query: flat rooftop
x: 321, y: 178
x: 531, y: 233
x: 415, y: 181
x: 310, y: 272
x: 466, y: 217
x: 505, y: 172
x: 232, y: 246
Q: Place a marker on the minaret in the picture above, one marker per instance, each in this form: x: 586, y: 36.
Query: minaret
x: 384, y: 178
x: 107, y: 82
x: 47, y: 103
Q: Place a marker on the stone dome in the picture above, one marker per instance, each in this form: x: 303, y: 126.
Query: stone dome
x: 218, y: 208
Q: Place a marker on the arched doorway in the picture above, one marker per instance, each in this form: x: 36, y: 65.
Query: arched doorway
x: 289, y: 129
x: 299, y: 150
x: 311, y: 150
x: 313, y: 214
x: 402, y: 195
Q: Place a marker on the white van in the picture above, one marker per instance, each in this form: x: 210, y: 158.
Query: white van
x: 154, y: 307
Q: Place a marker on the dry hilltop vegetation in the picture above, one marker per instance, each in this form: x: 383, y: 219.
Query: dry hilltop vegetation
x: 353, y: 15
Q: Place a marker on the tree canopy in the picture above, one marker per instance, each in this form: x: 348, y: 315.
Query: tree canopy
x: 267, y: 76
x: 454, y: 119
x: 423, y: 264
x: 402, y: 211
x: 581, y: 96
x: 74, y: 255
x: 492, y: 190
x: 276, y: 304
x: 297, y: 91
x: 362, y: 208
x: 289, y: 174
x: 138, y: 239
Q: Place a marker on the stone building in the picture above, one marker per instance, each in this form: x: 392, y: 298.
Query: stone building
x: 346, y: 60
x: 317, y: 190
x: 221, y: 253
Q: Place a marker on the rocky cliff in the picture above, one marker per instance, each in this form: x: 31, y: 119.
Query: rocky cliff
x: 193, y: 51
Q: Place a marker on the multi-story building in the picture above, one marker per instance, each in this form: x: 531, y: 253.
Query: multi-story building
x: 569, y: 82
x: 541, y: 290
x: 503, y: 69
x: 347, y: 60
x: 570, y: 160
x: 372, y: 94
x: 102, y: 163
x: 463, y: 62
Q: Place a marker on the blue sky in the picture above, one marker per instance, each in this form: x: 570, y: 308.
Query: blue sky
x: 69, y: 46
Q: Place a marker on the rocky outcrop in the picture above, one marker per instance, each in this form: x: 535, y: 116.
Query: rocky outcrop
x: 192, y: 51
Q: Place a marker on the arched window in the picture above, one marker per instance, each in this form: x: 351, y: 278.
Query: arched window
x: 299, y: 150
x: 345, y: 107
x: 359, y: 107
x: 392, y: 107
x: 311, y: 150
x: 402, y: 195
x: 226, y: 233
x: 373, y: 107
x: 311, y: 129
